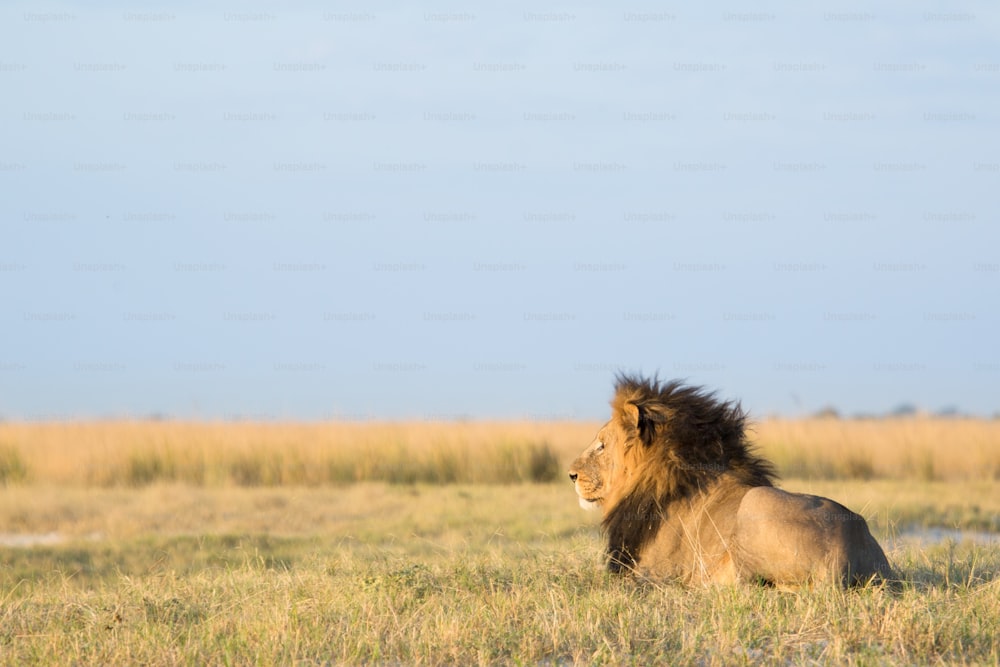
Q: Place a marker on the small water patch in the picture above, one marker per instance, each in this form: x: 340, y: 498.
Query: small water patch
x: 30, y: 539
x: 922, y: 536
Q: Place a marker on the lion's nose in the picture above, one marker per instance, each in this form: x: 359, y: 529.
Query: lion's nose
x: 572, y: 476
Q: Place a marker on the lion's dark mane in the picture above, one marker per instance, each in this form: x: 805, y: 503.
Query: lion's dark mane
x: 690, y: 439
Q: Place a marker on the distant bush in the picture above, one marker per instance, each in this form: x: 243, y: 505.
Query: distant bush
x: 12, y: 466
x: 544, y: 464
x: 145, y: 467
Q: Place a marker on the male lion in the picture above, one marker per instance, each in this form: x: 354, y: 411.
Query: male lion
x: 685, y: 498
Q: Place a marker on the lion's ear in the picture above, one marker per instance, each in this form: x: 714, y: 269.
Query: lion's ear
x: 631, y: 415
x: 640, y: 420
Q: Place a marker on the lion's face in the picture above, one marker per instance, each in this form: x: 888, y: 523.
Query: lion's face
x: 596, y: 471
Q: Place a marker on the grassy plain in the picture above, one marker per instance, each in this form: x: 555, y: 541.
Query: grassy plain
x: 301, y: 565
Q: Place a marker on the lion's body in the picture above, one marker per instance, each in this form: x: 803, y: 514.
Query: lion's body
x: 734, y: 533
x: 685, y: 499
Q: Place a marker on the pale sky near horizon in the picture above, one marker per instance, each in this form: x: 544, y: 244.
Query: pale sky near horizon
x: 378, y: 211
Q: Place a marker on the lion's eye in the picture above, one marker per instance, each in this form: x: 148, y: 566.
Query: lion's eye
x: 600, y: 446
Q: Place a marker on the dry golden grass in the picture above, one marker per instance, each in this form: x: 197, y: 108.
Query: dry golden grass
x: 372, y: 511
x: 921, y: 448
x: 110, y: 454
x: 244, y: 454
x: 442, y: 575
x: 176, y: 543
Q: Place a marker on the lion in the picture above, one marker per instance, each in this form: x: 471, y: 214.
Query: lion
x: 685, y: 498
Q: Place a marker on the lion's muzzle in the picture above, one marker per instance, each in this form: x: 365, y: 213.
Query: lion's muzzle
x: 587, y: 503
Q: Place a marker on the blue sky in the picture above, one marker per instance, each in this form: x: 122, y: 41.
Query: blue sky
x: 377, y: 211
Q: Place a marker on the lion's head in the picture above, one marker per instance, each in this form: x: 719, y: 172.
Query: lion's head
x: 664, y: 441
x: 596, y: 472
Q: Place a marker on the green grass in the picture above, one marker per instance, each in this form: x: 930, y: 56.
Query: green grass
x: 483, y: 609
x: 394, y: 574
x: 253, y: 600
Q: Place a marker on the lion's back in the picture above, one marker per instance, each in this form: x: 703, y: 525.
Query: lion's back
x: 793, y: 538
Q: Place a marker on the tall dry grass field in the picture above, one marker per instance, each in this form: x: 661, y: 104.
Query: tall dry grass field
x: 919, y: 448
x: 138, y: 453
